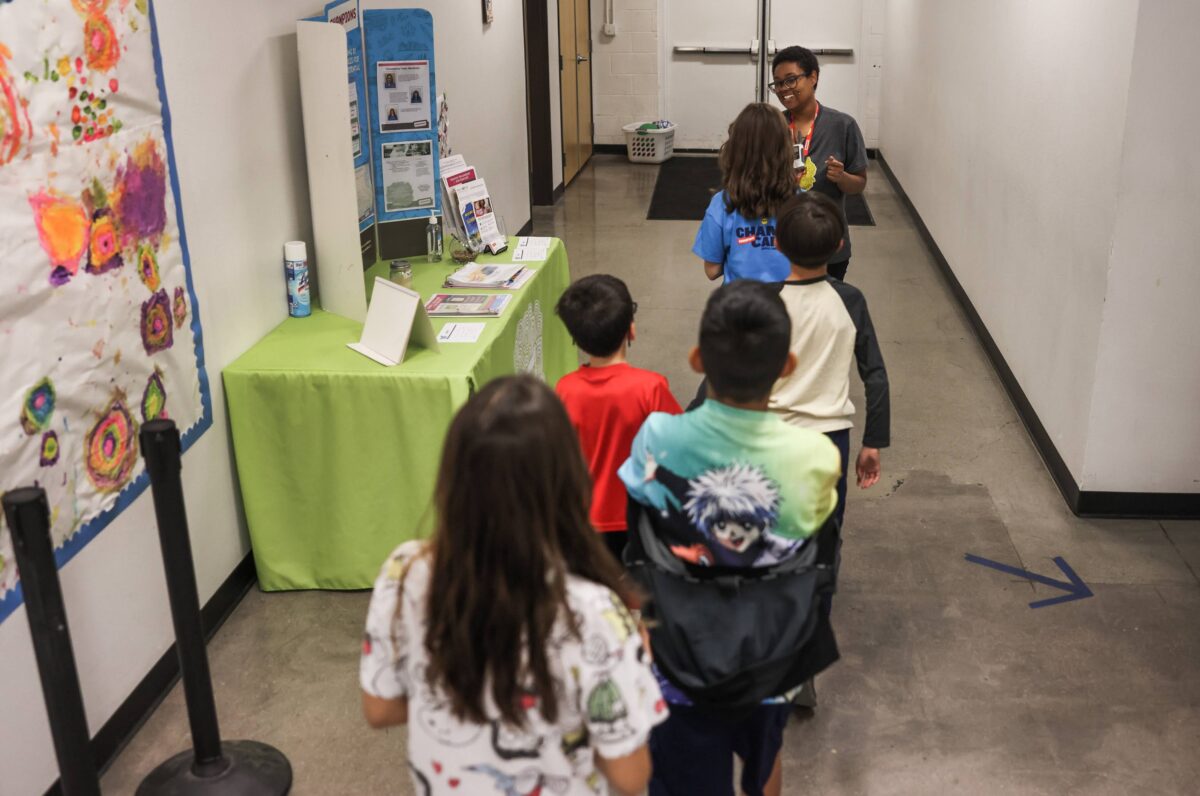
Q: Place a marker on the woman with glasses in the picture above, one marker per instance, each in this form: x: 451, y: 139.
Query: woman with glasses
x: 829, y: 154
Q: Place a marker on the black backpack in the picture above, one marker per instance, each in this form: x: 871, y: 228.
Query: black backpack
x: 730, y: 637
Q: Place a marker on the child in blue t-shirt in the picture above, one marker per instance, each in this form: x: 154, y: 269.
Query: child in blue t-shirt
x: 737, y: 237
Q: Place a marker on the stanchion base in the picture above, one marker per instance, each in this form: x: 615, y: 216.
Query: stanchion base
x: 253, y: 769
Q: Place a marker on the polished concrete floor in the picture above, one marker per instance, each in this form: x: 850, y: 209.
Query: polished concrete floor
x: 949, y: 682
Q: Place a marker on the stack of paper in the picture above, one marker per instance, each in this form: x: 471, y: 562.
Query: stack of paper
x: 492, y: 275
x: 531, y: 250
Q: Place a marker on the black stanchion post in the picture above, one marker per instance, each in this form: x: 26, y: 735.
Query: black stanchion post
x: 232, y: 768
x: 28, y: 517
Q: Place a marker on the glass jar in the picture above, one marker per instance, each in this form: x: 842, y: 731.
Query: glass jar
x: 401, y: 273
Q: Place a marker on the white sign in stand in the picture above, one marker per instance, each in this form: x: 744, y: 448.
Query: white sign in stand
x: 395, y: 316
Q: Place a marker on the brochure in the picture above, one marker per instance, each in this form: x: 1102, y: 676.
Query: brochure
x: 479, y: 221
x: 496, y: 276
x: 454, y: 171
x: 484, y: 305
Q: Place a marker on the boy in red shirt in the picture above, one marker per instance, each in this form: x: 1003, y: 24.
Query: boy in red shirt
x: 607, y: 399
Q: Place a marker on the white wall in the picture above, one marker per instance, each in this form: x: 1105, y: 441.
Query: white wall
x: 234, y: 97
x: 481, y: 69
x: 1144, y: 423
x: 235, y: 108
x: 625, y: 68
x: 1003, y: 123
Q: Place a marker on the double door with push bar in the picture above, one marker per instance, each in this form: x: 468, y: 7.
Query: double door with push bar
x: 716, y: 61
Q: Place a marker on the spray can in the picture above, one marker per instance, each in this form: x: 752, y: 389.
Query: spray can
x: 295, y: 266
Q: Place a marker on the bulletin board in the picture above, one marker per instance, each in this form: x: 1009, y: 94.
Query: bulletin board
x: 98, y: 314
x: 401, y: 79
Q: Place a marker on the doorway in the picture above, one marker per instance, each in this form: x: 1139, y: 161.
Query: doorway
x: 715, y: 66
x: 575, y: 69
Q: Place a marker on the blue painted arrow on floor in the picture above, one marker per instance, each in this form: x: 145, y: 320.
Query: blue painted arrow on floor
x: 1075, y: 590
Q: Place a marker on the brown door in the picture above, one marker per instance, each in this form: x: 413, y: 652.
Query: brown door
x: 575, y: 52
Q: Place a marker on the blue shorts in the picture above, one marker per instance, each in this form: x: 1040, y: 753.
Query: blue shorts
x: 693, y: 751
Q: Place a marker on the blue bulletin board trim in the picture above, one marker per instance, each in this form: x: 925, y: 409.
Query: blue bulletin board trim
x: 92, y: 528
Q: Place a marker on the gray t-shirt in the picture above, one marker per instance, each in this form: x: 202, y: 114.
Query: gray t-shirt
x: 835, y: 133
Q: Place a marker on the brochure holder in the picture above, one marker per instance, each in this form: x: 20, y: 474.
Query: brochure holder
x: 395, y: 318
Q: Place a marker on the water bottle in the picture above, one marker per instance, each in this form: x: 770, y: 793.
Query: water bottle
x: 295, y: 267
x: 433, y: 239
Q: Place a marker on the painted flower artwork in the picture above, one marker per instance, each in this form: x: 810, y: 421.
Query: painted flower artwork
x: 95, y: 292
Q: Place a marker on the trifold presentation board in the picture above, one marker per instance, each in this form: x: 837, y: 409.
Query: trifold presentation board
x: 368, y: 90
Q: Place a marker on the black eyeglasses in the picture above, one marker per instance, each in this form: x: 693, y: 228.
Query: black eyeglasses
x: 635, y: 308
x: 787, y: 83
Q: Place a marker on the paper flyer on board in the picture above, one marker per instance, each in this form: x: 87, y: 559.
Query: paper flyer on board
x: 404, y: 99
x: 407, y: 175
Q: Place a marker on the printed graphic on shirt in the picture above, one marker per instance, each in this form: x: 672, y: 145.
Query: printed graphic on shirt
x: 759, y: 236
x: 608, y: 713
x: 527, y: 782
x: 735, y: 512
x: 511, y: 743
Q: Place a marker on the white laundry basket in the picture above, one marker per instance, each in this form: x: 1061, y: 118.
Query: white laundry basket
x: 653, y: 145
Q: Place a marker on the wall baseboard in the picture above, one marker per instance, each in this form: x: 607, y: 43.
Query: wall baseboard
x: 154, y: 687
x: 1135, y: 505
x: 527, y: 229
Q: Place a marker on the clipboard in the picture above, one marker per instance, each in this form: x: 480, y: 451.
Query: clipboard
x: 395, y: 318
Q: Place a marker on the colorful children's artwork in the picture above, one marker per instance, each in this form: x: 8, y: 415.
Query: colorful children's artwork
x: 97, y: 313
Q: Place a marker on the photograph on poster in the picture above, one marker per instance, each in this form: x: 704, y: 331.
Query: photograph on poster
x: 403, y: 87
x: 408, y: 181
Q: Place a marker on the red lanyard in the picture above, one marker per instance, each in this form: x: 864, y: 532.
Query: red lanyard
x: 807, y: 138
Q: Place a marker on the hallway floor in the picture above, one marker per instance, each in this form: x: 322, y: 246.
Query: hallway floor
x: 949, y: 682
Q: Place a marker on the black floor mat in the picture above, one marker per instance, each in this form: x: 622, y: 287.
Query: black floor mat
x: 686, y: 185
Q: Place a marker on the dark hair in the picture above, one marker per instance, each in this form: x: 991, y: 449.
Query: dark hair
x: 809, y: 229
x: 745, y: 335
x: 512, y: 502
x: 756, y: 162
x: 801, y: 57
x: 597, y: 310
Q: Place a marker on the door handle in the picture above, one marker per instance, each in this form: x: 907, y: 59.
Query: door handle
x: 580, y: 59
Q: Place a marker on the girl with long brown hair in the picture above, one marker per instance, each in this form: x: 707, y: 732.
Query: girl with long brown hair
x: 507, y: 637
x: 737, y: 236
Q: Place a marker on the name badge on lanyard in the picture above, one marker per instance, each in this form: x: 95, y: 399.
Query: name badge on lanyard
x: 800, y: 149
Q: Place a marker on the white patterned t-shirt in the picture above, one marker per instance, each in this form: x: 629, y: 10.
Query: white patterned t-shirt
x: 608, y: 700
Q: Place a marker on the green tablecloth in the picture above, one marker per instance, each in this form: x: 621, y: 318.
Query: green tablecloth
x: 337, y: 455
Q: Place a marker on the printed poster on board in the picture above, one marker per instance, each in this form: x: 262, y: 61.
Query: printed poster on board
x: 404, y: 99
x: 407, y: 175
x: 100, y: 327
